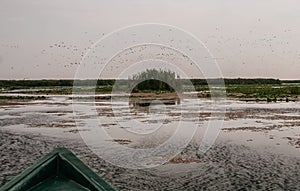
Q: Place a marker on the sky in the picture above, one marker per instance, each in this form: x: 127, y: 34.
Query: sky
x: 248, y: 38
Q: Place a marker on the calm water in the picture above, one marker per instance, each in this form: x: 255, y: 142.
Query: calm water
x: 272, y: 126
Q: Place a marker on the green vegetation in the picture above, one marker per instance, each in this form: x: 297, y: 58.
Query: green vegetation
x: 163, y: 75
x: 291, y: 81
x: 53, y: 83
x: 22, y: 97
x: 227, y: 81
x: 264, y: 92
x: 34, y: 83
x: 155, y: 80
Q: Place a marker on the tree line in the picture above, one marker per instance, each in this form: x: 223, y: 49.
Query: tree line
x: 148, y: 77
x: 44, y: 83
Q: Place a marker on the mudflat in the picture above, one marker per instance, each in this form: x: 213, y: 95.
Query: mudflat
x: 257, y: 147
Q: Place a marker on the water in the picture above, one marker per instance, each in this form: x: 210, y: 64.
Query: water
x: 272, y: 126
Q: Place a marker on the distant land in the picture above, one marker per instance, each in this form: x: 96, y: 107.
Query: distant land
x: 103, y: 82
x: 246, y: 89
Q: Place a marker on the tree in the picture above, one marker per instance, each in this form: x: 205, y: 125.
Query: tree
x: 155, y: 80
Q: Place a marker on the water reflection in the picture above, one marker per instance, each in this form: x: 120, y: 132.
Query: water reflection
x: 152, y: 105
x: 136, y: 103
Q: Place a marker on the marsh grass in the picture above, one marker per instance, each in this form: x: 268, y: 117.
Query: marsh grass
x: 260, y: 91
x: 263, y: 91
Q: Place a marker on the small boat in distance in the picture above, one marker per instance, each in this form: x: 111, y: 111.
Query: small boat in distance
x: 58, y: 170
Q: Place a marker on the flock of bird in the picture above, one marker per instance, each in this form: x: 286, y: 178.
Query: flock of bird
x: 70, y: 55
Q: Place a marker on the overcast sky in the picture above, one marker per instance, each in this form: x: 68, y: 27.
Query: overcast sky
x: 249, y: 38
